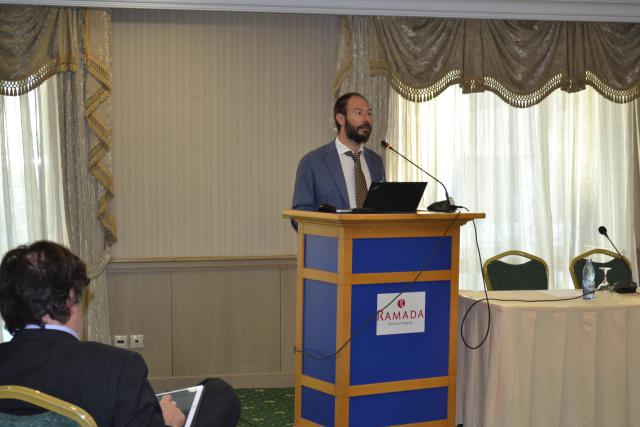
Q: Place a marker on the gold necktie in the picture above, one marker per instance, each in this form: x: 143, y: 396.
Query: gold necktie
x: 361, y: 183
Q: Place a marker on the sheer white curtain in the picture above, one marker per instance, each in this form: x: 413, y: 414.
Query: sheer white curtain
x: 31, y: 192
x: 546, y: 176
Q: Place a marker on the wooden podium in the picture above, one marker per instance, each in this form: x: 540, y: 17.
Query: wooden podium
x: 356, y: 364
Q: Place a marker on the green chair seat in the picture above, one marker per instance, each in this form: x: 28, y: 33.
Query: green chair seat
x: 43, y: 419
x: 56, y: 412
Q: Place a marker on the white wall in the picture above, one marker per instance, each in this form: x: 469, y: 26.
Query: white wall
x: 211, y: 113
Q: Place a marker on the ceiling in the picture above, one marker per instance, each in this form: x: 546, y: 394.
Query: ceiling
x: 566, y: 10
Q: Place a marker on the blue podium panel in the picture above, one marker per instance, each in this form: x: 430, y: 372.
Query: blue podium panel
x: 395, y: 254
x: 406, y: 374
x: 321, y: 253
x: 404, y: 407
x: 318, y: 407
x: 407, y: 356
x: 319, y: 329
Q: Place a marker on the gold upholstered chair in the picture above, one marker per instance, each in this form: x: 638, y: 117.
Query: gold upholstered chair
x: 501, y: 275
x: 57, y: 412
x: 620, y: 267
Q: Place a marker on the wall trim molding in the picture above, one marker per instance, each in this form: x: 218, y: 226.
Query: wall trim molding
x: 200, y: 264
x: 566, y: 10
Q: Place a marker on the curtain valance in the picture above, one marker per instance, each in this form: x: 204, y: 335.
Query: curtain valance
x: 521, y: 61
x: 35, y: 43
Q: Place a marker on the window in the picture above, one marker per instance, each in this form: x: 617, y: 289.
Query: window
x: 546, y: 176
x: 31, y: 191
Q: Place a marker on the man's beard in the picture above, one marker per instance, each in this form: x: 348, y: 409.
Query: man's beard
x: 354, y: 135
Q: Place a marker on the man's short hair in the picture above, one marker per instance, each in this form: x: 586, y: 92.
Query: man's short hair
x: 36, y: 280
x: 341, y: 106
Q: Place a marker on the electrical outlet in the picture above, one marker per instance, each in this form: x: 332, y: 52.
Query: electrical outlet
x: 137, y: 341
x: 121, y: 341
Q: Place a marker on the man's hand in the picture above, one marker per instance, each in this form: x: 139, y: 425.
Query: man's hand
x: 172, y: 415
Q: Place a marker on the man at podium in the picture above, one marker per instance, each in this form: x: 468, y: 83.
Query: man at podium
x: 339, y: 173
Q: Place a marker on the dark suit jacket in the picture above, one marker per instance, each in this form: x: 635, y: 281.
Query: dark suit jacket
x: 319, y: 179
x: 109, y: 383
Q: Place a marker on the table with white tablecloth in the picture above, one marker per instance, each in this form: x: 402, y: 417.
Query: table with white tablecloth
x: 552, y: 363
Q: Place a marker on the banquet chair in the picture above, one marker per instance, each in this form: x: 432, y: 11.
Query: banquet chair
x: 58, y: 413
x: 501, y: 275
x: 620, y: 267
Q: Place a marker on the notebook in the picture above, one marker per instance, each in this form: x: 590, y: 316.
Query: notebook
x: 188, y: 400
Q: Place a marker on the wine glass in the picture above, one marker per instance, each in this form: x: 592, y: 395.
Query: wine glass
x: 605, y: 285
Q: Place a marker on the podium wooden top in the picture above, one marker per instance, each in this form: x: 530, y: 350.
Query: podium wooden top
x: 350, y: 218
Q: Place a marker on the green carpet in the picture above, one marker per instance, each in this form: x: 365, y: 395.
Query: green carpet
x: 266, y: 407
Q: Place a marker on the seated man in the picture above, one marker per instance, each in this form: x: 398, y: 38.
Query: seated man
x: 40, y: 292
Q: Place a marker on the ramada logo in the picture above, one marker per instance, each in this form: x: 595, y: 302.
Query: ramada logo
x: 400, y: 315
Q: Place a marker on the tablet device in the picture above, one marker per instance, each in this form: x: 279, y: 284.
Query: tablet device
x: 188, y: 400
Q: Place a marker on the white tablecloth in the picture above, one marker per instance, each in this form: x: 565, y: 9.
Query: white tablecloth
x: 550, y: 364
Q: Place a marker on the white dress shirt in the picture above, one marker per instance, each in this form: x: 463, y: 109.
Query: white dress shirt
x: 55, y: 328
x: 347, y: 170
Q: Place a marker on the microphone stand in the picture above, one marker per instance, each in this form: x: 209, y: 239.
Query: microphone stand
x: 626, y: 287
x: 603, y: 230
x: 441, y: 206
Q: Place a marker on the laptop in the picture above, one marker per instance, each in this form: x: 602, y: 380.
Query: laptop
x: 187, y: 400
x: 387, y: 197
x: 394, y: 196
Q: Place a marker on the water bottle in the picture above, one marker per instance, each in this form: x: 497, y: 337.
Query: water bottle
x: 588, y: 280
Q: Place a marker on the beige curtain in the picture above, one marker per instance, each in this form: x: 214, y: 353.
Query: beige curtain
x: 36, y: 43
x: 546, y: 176
x: 520, y: 61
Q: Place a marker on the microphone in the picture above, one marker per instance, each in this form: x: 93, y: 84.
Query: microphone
x: 442, y: 206
x: 603, y: 230
x: 618, y: 287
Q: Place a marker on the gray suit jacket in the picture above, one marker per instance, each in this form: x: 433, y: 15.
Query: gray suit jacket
x: 319, y: 179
